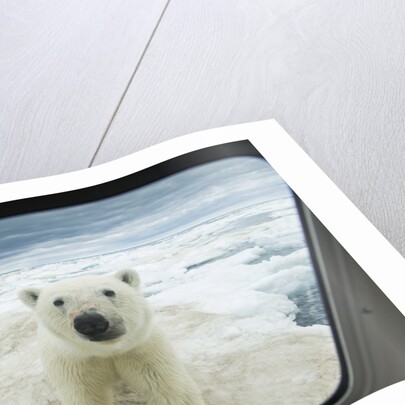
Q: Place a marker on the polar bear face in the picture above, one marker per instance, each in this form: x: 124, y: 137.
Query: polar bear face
x: 92, y: 315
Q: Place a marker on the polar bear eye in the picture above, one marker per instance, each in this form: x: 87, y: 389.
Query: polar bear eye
x: 109, y: 293
x: 58, y: 303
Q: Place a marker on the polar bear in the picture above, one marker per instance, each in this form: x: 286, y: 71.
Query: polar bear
x: 94, y: 331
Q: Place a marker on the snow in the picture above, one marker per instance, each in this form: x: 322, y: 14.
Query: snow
x: 223, y: 262
x: 227, y: 291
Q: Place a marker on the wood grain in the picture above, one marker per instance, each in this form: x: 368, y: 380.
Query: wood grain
x: 63, y: 68
x: 330, y: 71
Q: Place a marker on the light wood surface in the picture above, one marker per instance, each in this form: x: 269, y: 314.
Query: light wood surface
x: 330, y: 71
x: 63, y: 67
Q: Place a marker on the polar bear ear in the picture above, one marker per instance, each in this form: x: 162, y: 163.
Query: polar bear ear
x: 128, y: 276
x: 29, y: 296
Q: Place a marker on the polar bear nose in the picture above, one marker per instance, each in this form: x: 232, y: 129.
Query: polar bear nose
x: 90, y: 324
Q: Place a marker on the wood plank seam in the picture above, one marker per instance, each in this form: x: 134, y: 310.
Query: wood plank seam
x: 129, y: 84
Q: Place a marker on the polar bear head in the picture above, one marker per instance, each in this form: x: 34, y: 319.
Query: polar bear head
x: 92, y: 315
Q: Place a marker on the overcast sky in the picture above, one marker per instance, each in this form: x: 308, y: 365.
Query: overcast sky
x: 139, y: 216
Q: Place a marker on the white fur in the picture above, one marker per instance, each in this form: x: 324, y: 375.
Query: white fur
x: 83, y: 371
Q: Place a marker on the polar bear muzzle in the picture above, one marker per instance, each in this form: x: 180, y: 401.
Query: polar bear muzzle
x: 90, y: 323
x: 95, y: 327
